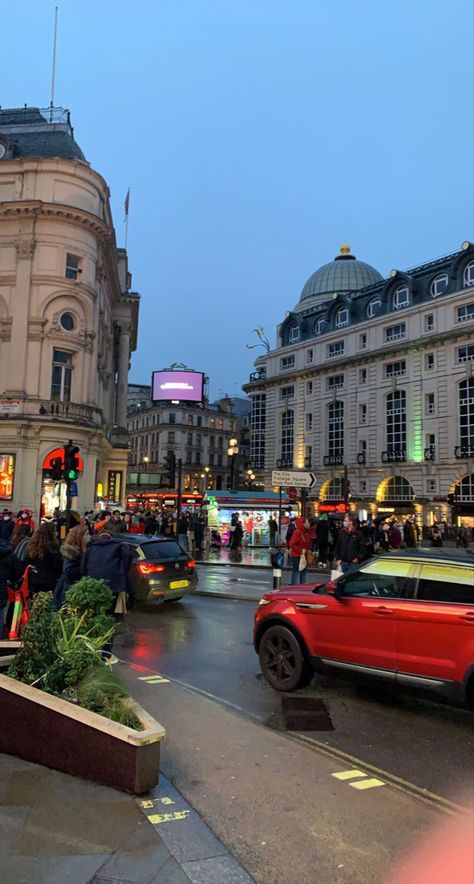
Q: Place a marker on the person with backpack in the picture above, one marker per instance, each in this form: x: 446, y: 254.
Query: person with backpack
x: 108, y: 559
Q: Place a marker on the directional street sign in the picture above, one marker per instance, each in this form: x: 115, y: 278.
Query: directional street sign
x: 295, y: 478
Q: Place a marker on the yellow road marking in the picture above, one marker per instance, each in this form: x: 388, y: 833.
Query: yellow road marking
x: 153, y: 679
x: 367, y: 784
x: 348, y: 774
x: 158, y: 818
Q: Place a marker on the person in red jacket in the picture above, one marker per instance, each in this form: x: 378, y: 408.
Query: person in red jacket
x: 299, y: 543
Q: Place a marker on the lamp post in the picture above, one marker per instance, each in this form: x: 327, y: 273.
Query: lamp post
x: 207, y: 471
x: 145, y: 461
x: 250, y: 477
x: 232, y: 453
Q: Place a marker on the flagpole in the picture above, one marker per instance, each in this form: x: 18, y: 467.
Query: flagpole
x: 126, y: 231
x: 127, y: 206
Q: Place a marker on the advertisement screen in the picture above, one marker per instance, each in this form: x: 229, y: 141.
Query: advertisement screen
x: 186, y: 386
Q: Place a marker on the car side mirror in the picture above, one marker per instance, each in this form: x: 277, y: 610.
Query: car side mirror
x: 335, y: 588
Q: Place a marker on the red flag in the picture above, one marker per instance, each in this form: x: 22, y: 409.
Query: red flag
x: 127, y: 202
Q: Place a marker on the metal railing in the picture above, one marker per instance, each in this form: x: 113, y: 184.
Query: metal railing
x: 430, y: 453
x: 259, y: 375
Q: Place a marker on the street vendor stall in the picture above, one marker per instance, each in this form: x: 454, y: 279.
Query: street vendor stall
x: 254, y: 509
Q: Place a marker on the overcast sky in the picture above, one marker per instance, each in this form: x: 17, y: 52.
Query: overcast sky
x: 257, y: 136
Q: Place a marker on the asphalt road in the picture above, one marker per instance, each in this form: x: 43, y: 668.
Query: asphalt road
x: 206, y: 643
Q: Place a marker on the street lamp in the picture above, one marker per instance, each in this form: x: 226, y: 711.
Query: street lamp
x: 250, y: 477
x: 208, y: 483
x: 232, y: 453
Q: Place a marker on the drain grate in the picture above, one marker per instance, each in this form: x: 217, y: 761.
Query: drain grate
x: 306, y: 714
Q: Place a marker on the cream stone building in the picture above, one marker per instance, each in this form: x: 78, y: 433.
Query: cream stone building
x: 68, y: 320
x: 373, y: 378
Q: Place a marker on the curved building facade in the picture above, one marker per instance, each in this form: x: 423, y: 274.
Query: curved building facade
x: 372, y: 379
x: 68, y: 320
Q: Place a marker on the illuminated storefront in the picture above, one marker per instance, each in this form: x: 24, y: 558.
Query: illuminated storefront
x: 7, y: 476
x: 253, y: 508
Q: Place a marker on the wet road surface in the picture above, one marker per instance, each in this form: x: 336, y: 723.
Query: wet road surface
x: 206, y: 643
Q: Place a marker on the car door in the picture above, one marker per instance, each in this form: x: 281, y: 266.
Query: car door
x: 358, y: 629
x: 436, y: 630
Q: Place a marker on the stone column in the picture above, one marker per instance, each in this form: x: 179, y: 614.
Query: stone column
x: 122, y: 380
x: 19, y: 334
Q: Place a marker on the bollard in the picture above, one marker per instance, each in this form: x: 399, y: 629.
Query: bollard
x: 277, y: 559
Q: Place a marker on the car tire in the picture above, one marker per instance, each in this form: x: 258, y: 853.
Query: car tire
x: 282, y: 660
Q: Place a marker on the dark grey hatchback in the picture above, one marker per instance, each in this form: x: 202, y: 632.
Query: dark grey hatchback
x: 161, y: 570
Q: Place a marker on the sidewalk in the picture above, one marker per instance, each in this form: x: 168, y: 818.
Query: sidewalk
x: 56, y: 828
x: 249, y: 557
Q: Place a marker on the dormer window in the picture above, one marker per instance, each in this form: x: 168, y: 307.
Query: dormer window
x: 319, y: 325
x: 439, y: 285
x: 401, y: 297
x: 469, y: 274
x: 373, y: 307
x: 342, y: 317
x: 294, y: 335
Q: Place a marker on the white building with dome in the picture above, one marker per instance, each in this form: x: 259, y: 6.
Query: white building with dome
x: 373, y: 378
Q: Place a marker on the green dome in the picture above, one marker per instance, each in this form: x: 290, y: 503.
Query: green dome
x: 344, y: 274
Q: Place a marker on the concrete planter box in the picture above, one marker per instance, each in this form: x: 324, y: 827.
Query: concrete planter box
x: 8, y: 650
x: 47, y: 730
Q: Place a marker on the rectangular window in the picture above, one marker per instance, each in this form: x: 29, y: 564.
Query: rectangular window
x: 429, y: 322
x: 211, y: 458
x: 362, y: 414
x: 309, y: 421
x: 189, y: 457
x: 336, y: 430
x: 396, y: 369
x: 362, y: 446
x: 212, y: 441
x: 429, y: 361
x: 395, y: 332
x: 336, y: 382
x: 430, y: 440
x: 219, y: 460
x: 465, y: 312
x: 190, y: 420
x: 294, y: 334
x: 287, y: 436
x: 309, y: 356
x: 257, y: 430
x: 172, y: 417
x: 441, y: 590
x: 220, y: 442
x: 430, y: 403
x: 287, y: 393
x: 199, y: 421
x: 73, y: 268
x: 431, y: 485
x: 287, y: 363
x: 336, y: 349
x: 363, y: 486
x: 308, y: 455
x: 362, y: 375
x: 220, y: 424
x: 309, y: 388
x: 189, y: 438
x: 171, y: 437
x: 198, y: 457
x: 466, y: 354
x: 61, y: 376
x: 363, y: 341
x: 198, y: 439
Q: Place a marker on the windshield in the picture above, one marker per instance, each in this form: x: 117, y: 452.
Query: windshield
x: 162, y: 549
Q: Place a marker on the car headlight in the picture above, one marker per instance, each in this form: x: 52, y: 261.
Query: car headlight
x: 264, y: 602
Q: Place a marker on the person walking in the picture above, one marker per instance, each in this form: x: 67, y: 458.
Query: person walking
x: 300, y: 542
x: 436, y: 536
x: 349, y: 550
x: 236, y: 533
x: 322, y: 540
x: 116, y: 525
x: 42, y: 553
x: 183, y: 523
x: 462, y: 537
x: 409, y: 533
x: 11, y: 571
x: 273, y: 527
x: 7, y: 526
x: 71, y: 551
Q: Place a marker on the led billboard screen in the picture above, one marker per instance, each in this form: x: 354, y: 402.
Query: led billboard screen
x: 185, y: 386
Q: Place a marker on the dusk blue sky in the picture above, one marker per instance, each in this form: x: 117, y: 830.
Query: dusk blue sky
x: 257, y: 136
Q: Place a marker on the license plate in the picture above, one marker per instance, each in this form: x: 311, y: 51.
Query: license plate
x: 178, y: 584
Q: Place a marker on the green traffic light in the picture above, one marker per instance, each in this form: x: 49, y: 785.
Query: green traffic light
x: 72, y: 474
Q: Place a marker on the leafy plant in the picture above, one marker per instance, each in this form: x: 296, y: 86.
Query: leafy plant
x: 37, y: 653
x: 90, y: 596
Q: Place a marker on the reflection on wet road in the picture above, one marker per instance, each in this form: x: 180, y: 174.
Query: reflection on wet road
x: 207, y: 643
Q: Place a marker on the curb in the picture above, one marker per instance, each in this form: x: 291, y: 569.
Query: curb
x: 231, y: 596
x: 262, y: 567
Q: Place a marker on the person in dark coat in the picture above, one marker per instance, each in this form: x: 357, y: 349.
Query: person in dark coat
x: 349, y: 550
x: 115, y: 525
x: 11, y: 571
x: 236, y: 533
x: 151, y: 524
x: 409, y: 533
x: 273, y: 526
x: 6, y: 526
x: 108, y: 559
x: 322, y: 539
x: 42, y: 553
x: 71, y: 556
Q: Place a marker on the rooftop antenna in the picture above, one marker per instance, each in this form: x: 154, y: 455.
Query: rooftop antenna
x: 53, y: 70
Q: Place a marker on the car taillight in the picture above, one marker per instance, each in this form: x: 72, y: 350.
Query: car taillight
x: 146, y: 568
x: 191, y: 563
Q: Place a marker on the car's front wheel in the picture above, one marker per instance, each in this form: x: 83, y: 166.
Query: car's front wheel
x: 282, y: 660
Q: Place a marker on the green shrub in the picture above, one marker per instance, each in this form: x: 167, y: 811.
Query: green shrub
x: 37, y: 653
x: 90, y: 596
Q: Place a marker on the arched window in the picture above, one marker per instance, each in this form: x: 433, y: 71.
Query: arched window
x: 466, y: 413
x: 319, y: 325
x: 397, y: 488
x: 294, y: 334
x: 287, y: 436
x: 342, y: 317
x: 373, y: 307
x: 333, y: 490
x: 468, y: 278
x: 439, y: 285
x: 336, y: 429
x: 397, y: 422
x: 465, y: 489
x: 401, y: 297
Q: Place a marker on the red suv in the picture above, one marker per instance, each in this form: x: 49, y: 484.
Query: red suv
x: 405, y: 617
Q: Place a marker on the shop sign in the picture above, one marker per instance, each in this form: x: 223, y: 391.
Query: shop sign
x: 114, y: 485
x: 333, y: 508
x: 10, y: 406
x: 7, y: 476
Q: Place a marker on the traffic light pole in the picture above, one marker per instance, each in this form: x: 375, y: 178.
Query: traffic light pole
x: 68, y: 504
x: 179, y: 494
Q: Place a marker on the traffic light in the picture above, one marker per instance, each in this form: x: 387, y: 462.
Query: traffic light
x: 71, y: 462
x: 168, y: 476
x: 56, y: 469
